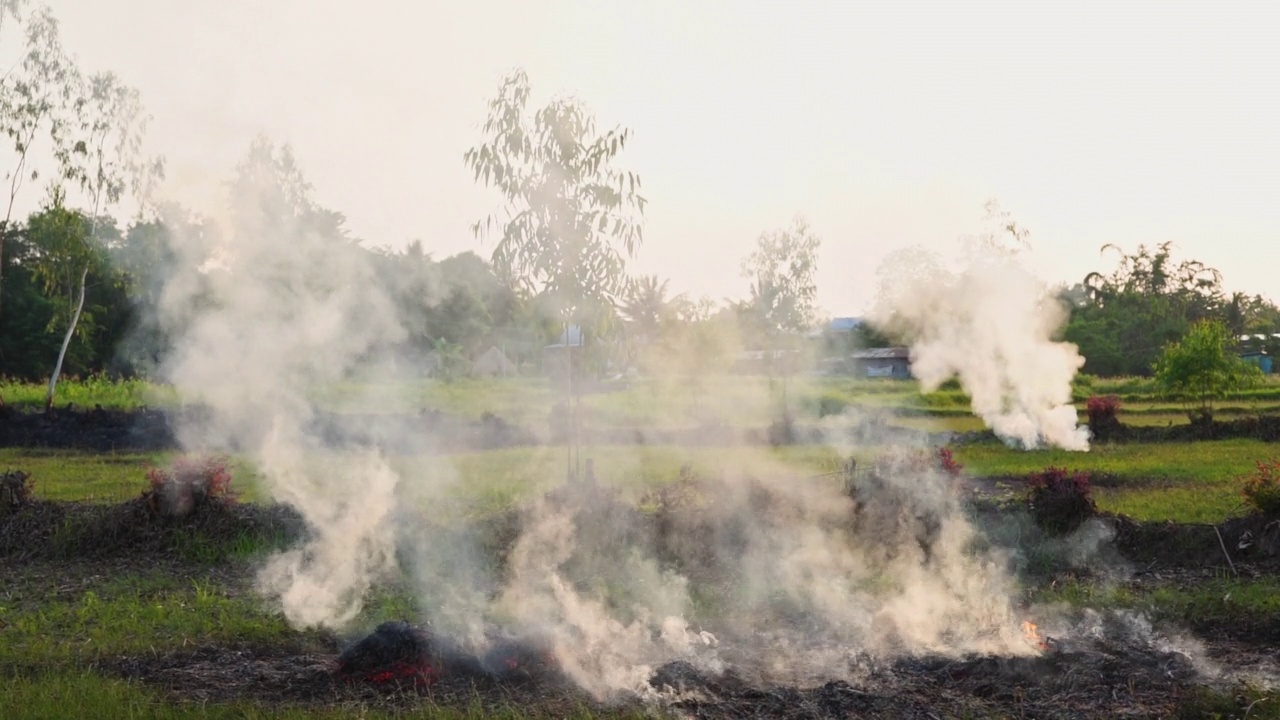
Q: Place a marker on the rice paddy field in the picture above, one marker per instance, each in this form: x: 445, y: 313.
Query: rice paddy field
x: 168, y: 624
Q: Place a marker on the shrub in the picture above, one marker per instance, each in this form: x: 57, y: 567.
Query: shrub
x: 189, y: 483
x: 950, y: 465
x: 15, y: 489
x: 1060, y: 501
x: 1102, y: 410
x: 1262, y: 488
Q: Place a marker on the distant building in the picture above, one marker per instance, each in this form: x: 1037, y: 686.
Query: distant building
x: 1259, y: 358
x: 894, y: 362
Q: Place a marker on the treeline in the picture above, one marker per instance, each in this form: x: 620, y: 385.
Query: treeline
x: 1123, y: 318
x: 452, y: 308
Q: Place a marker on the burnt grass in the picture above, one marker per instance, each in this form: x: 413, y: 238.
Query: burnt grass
x: 147, y: 430
x: 1116, y: 673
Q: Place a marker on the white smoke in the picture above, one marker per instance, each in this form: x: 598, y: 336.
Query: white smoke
x: 986, y: 320
x: 795, y: 573
x: 264, y: 313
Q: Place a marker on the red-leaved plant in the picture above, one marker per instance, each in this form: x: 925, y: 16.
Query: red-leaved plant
x: 1102, y: 411
x: 1262, y: 487
x: 189, y: 482
x: 1060, y: 500
x: 949, y: 464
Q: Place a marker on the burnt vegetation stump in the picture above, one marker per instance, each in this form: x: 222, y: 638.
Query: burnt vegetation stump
x: 15, y: 490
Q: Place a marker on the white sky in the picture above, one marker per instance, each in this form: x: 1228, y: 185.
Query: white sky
x: 886, y: 124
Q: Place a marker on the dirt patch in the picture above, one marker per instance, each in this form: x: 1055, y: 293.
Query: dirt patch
x: 223, y: 675
x: 1252, y: 541
x: 98, y: 430
x: 1119, y: 676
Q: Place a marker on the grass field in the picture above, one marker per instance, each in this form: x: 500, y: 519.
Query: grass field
x: 1193, y: 482
x: 740, y: 400
x: 62, y: 623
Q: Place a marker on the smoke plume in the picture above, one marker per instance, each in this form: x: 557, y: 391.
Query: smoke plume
x: 988, y: 321
x: 782, y: 577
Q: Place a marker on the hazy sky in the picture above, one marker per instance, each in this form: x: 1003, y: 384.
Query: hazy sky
x: 886, y: 124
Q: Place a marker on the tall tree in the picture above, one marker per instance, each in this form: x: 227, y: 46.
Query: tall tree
x: 783, y: 290
x: 68, y: 251
x: 570, y: 218
x: 40, y: 97
x: 105, y: 159
x: 647, y: 308
x: 11, y: 9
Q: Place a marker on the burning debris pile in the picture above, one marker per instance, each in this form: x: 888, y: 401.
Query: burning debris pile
x: 397, y: 652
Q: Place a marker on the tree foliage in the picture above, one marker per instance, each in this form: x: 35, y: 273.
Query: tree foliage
x: 1200, y: 368
x: 570, y: 219
x: 781, y: 270
x: 41, y: 97
x: 1121, y: 320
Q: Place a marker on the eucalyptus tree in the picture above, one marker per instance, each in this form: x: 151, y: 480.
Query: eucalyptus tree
x: 783, y: 290
x: 570, y: 219
x: 104, y: 159
x: 39, y: 98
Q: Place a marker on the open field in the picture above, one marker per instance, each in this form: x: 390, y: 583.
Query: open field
x: 738, y: 400
x: 167, y: 622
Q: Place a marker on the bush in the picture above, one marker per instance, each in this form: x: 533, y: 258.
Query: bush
x: 950, y: 465
x: 1102, y: 411
x: 1262, y: 488
x: 188, y: 484
x: 15, y: 489
x: 1060, y: 501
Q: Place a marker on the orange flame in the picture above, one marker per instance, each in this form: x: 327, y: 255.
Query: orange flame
x: 1033, y: 635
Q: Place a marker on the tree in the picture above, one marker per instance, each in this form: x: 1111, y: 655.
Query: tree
x: 41, y: 96
x: 570, y: 219
x: 783, y: 289
x: 1124, y: 318
x: 68, y: 250
x: 105, y: 160
x: 11, y: 8
x: 1200, y: 368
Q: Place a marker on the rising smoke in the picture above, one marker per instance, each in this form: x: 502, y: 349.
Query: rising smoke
x: 781, y: 577
x: 985, y: 319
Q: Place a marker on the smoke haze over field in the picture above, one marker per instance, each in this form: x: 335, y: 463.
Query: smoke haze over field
x: 784, y: 578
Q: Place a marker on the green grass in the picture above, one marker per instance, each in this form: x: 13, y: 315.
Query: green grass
x: 1204, y: 462
x: 104, y: 477
x: 132, y: 614
x: 485, y: 482
x: 88, y: 392
x: 1185, y: 482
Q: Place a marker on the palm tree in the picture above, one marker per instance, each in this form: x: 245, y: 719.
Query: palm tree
x: 646, y: 307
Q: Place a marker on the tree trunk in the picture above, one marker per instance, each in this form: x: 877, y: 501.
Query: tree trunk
x: 66, y: 342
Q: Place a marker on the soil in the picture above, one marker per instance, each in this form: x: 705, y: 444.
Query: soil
x: 1081, y: 679
x: 147, y: 430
